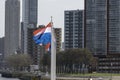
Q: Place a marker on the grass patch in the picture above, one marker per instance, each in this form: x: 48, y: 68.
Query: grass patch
x: 93, y: 74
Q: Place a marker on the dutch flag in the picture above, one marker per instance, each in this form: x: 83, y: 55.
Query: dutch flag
x: 43, y: 36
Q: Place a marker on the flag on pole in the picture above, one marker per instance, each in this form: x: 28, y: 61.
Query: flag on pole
x: 46, y: 37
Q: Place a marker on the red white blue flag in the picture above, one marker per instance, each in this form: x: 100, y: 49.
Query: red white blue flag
x: 43, y: 36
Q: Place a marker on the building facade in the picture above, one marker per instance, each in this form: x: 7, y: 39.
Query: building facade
x: 58, y: 35
x: 113, y: 27
x: 73, y: 29
x: 102, y: 26
x: 29, y: 21
x: 1, y: 51
x: 12, y: 26
x: 28, y: 25
x: 1, y: 48
x: 102, y: 32
x: 63, y: 46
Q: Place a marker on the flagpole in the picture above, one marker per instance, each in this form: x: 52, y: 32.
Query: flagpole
x: 53, y: 54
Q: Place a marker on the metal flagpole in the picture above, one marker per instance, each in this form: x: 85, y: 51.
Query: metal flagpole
x: 53, y: 53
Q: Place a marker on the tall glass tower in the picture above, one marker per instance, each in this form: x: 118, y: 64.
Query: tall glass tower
x: 114, y: 26
x: 102, y: 30
x: 29, y: 11
x: 29, y: 21
x: 12, y: 26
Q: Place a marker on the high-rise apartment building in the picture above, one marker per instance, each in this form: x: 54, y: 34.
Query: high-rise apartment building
x: 96, y: 26
x: 29, y: 21
x: 58, y: 35
x: 102, y: 32
x: 73, y: 30
x: 12, y: 26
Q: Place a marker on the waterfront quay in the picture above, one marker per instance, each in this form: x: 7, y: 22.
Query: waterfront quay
x: 101, y: 76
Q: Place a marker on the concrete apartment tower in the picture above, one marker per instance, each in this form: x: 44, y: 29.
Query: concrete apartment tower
x: 12, y: 26
x: 58, y: 35
x: 74, y: 29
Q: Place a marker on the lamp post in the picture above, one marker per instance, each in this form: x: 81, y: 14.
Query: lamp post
x: 0, y: 59
x: 111, y: 71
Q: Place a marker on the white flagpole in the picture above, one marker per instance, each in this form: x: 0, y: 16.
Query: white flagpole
x: 53, y: 54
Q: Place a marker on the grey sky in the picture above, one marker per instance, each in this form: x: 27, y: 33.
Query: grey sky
x: 46, y: 9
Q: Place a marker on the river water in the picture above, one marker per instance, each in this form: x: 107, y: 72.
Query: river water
x: 1, y: 78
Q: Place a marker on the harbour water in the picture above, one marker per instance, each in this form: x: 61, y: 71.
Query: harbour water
x: 1, y: 78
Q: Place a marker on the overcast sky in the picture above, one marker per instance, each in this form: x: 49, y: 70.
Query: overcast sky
x: 46, y: 9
